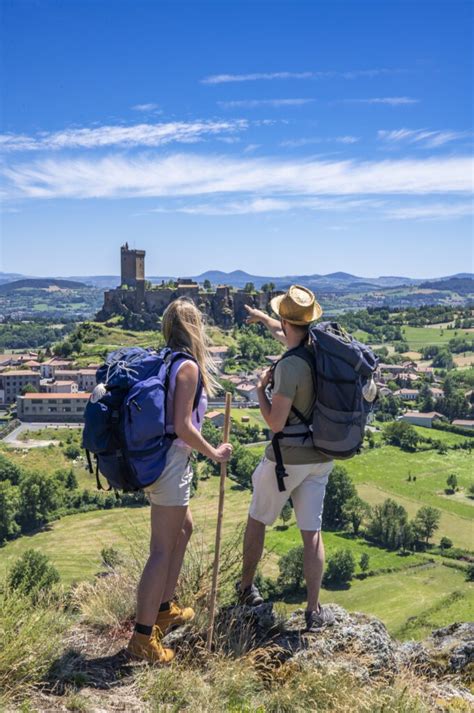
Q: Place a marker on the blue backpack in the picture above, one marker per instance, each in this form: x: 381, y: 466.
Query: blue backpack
x: 345, y: 392
x: 125, y: 424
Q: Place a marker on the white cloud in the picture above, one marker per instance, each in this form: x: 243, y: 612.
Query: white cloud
x: 390, y: 101
x: 121, y: 176
x: 432, y: 211
x: 146, y: 107
x: 134, y: 135
x: 426, y: 137
x: 254, y: 103
x: 258, y: 76
x: 295, y: 143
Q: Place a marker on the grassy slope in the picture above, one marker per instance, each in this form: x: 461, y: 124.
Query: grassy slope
x: 74, y: 545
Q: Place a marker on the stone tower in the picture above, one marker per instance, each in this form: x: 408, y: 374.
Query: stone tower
x: 132, y: 263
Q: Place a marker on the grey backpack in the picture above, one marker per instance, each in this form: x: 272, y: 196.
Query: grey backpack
x: 343, y: 370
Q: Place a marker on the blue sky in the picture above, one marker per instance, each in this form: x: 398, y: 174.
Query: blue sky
x: 275, y: 137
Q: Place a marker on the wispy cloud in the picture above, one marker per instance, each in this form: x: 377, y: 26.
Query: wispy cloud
x: 255, y: 103
x: 390, y: 101
x: 121, y: 176
x: 146, y: 107
x: 432, y: 211
x: 425, y: 137
x: 329, y: 74
x: 296, y: 143
x: 134, y: 135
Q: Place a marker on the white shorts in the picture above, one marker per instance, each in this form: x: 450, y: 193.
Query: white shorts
x: 306, y: 484
x: 173, y: 487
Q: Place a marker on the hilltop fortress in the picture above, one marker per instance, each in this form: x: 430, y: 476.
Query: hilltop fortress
x: 223, y: 306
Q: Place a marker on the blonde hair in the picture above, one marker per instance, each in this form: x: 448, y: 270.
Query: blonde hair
x: 183, y: 330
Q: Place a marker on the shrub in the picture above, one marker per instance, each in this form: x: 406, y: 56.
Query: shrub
x: 111, y: 557
x: 340, y: 567
x: 72, y: 452
x: 364, y: 561
x: 291, y: 575
x: 285, y: 514
x: 470, y: 573
x: 33, y: 573
x: 445, y: 543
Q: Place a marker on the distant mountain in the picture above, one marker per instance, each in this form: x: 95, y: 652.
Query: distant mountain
x: 38, y: 283
x: 461, y: 285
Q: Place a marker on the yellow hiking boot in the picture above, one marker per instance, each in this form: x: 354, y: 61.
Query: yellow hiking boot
x: 149, y: 648
x: 172, y: 618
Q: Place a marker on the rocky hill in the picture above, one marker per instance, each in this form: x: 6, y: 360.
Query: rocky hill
x: 261, y: 662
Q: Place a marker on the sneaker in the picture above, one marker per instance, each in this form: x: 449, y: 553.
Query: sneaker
x: 175, y: 616
x: 317, y: 619
x: 149, y: 648
x: 250, y: 596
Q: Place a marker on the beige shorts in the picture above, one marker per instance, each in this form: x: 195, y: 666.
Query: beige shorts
x: 306, y: 484
x: 173, y: 487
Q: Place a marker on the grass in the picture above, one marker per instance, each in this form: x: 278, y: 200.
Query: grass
x: 418, y: 337
x: 388, y: 469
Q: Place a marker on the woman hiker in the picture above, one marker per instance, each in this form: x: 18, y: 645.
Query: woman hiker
x: 171, y: 521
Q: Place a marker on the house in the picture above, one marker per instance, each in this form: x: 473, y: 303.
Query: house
x: 418, y: 418
x: 62, y: 387
x: 48, y: 368
x: 218, y: 355
x: 216, y: 418
x: 464, y: 423
x: 86, y: 379
x: 51, y: 407
x: 14, y: 381
x: 436, y: 393
x: 247, y: 390
x: 406, y: 394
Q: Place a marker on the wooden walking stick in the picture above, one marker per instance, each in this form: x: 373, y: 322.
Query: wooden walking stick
x: 220, y: 514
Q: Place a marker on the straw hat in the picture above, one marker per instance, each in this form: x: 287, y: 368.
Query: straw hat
x: 298, y: 306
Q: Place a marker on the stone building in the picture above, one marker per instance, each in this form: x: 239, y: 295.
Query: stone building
x: 223, y: 307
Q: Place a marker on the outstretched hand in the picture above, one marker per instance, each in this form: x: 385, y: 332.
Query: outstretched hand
x: 254, y: 315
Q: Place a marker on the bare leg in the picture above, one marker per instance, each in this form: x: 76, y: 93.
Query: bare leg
x: 313, y: 564
x: 254, y: 539
x: 166, y: 525
x: 178, y: 556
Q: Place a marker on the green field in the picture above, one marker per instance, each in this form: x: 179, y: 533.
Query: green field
x: 423, y: 336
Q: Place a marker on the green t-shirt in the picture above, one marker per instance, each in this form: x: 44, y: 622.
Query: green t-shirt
x: 293, y: 379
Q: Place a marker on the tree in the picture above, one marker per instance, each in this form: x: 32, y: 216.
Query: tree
x: 401, y: 434
x: 387, y: 524
x: 364, y: 562
x: 207, y: 285
x: 427, y: 522
x: 340, y: 567
x: 339, y: 490
x: 355, y: 511
x: 242, y: 465
x: 285, y: 515
x: 32, y: 573
x: 452, y: 482
x: 9, y: 471
x: 291, y: 575
x: 8, y: 509
x: 39, y: 496
x: 249, y: 287
x: 29, y: 389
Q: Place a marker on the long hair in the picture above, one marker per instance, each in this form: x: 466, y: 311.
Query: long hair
x: 183, y: 330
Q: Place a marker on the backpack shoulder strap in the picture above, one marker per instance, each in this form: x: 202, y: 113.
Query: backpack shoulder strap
x: 174, y: 357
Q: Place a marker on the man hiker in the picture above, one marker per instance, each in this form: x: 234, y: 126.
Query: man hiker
x: 307, y: 470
